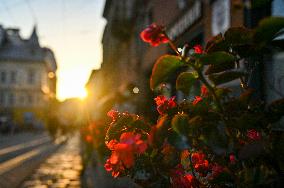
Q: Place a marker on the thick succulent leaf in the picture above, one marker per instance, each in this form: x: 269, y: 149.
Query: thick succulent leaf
x: 180, y: 124
x: 163, y: 68
x: 239, y: 36
x: 225, y: 77
x: 267, y: 30
x: 185, y: 81
x: 217, y: 59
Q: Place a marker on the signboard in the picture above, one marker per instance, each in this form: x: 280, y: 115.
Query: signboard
x: 220, y: 16
x: 187, y: 20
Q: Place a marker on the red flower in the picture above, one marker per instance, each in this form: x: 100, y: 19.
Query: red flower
x: 154, y: 34
x: 113, y: 114
x: 123, y: 152
x: 163, y: 105
x: 233, y: 159
x: 199, y: 163
x: 198, y: 49
x: 131, y: 139
x: 253, y: 134
x: 180, y: 180
x: 197, y: 100
x: 115, y: 168
x: 186, y: 181
x: 216, y: 171
x: 89, y: 138
x: 204, y: 91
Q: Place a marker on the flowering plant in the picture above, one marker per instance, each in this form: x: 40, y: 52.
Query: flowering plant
x: 217, y: 139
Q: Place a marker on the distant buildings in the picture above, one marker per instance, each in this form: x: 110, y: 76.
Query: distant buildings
x: 27, y: 78
x: 126, y: 59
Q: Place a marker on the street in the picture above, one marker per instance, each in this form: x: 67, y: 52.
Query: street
x: 62, y: 169
x: 26, y: 160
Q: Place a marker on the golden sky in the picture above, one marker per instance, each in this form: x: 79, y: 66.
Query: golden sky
x: 72, y: 29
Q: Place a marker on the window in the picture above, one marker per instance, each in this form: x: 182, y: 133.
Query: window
x: 31, y: 77
x: 30, y: 99
x: 2, y: 98
x: 22, y: 100
x: 11, y: 99
x: 3, y: 77
x: 277, y: 8
x: 182, y: 3
x: 13, y: 78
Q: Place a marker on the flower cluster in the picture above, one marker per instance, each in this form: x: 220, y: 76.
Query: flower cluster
x: 219, y: 138
x: 200, y: 164
x: 164, y: 104
x: 180, y: 179
x: 154, y: 34
x: 123, y: 152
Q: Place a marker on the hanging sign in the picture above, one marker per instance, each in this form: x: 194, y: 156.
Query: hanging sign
x: 187, y: 20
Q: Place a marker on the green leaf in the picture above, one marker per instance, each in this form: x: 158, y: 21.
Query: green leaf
x: 161, y: 132
x: 178, y: 141
x: 239, y: 36
x: 267, y: 30
x: 217, y: 43
x: 217, y: 58
x: 185, y: 81
x: 180, y: 124
x: 246, y: 96
x: 225, y: 77
x: 220, y: 67
x: 163, y: 68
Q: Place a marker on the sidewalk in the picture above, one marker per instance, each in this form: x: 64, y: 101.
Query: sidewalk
x: 62, y: 169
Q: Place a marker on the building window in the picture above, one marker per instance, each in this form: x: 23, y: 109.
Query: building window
x: 2, y: 98
x: 22, y: 100
x: 182, y: 4
x: 3, y: 77
x: 13, y: 78
x: 11, y: 99
x: 31, y: 77
x: 30, y: 99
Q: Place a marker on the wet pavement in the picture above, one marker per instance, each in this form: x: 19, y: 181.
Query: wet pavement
x: 61, y: 170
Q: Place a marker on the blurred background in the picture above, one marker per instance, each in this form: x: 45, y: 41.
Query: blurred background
x: 64, y: 64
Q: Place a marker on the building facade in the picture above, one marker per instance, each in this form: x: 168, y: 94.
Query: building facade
x: 27, y: 78
x: 186, y: 21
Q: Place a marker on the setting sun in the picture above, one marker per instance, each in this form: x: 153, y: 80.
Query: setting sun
x: 72, y: 84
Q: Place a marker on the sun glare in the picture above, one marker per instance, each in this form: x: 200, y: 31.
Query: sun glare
x: 83, y: 94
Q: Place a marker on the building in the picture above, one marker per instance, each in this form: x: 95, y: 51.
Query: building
x: 187, y: 21
x: 27, y: 78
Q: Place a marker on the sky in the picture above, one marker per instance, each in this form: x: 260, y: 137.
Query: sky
x: 71, y: 28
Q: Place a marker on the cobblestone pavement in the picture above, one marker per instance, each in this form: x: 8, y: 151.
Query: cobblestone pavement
x: 61, y: 170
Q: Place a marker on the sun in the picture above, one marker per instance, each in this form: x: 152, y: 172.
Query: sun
x: 83, y: 94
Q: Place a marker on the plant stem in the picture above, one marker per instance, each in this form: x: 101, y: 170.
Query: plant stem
x: 210, y: 88
x: 243, y: 84
x: 191, y: 165
x: 172, y: 45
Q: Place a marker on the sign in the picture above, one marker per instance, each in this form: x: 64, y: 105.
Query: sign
x: 220, y: 16
x: 187, y: 20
